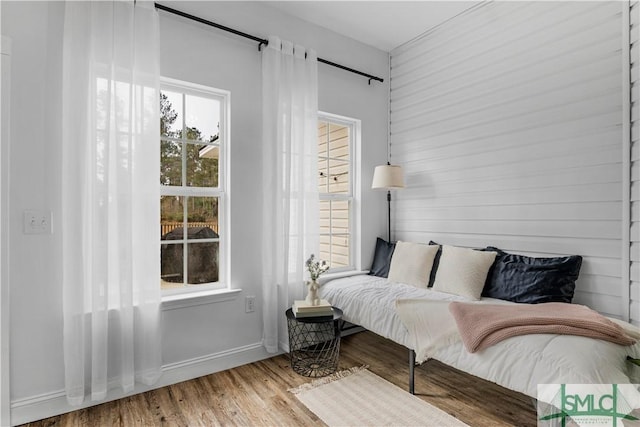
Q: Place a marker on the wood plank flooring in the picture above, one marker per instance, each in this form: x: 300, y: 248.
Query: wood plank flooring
x: 256, y: 394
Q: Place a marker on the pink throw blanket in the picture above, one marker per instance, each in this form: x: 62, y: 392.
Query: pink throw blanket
x: 482, y: 325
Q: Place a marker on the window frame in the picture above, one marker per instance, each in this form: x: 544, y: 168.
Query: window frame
x: 221, y: 191
x: 354, y: 196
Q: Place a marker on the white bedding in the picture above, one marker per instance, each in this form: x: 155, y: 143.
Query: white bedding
x: 370, y: 301
x: 518, y: 363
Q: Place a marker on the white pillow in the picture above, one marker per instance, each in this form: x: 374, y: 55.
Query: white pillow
x: 463, y: 271
x: 411, y: 263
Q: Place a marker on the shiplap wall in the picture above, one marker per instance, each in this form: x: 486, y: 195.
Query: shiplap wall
x: 507, y: 121
x: 634, y: 40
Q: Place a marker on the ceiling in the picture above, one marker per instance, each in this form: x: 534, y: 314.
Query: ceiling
x: 382, y: 24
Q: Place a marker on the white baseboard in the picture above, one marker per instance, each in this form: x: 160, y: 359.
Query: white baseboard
x: 55, y: 403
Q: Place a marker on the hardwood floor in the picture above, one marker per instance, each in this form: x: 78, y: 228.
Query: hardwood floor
x: 256, y: 394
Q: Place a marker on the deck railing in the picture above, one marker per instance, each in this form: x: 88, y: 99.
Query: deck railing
x: 166, y: 227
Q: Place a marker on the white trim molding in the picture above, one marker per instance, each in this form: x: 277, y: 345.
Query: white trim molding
x: 54, y: 403
x: 631, y: 124
x: 5, y: 373
x: 626, y: 161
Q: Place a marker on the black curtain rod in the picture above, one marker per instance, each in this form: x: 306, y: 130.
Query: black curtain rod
x: 257, y: 39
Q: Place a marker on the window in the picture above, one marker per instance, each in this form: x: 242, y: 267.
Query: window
x: 193, y: 167
x: 336, y: 143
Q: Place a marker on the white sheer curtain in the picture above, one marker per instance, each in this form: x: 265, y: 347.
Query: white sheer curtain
x: 290, y: 176
x: 110, y: 197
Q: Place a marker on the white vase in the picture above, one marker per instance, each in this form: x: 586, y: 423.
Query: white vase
x: 312, y: 295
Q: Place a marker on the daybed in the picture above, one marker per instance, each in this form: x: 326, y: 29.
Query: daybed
x: 519, y: 363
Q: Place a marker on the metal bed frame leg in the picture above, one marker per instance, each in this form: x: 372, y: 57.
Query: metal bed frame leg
x: 412, y: 366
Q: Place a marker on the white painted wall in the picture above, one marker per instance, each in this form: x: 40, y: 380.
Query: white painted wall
x: 197, y: 339
x: 507, y: 120
x: 34, y: 278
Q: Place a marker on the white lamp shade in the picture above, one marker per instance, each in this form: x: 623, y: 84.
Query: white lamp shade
x: 388, y: 177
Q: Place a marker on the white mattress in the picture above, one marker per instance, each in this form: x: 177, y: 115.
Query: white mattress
x: 518, y: 363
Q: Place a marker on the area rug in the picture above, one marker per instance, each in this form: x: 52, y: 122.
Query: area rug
x: 357, y: 397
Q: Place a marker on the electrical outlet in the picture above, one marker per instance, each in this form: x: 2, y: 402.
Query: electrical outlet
x: 250, y: 304
x: 37, y: 222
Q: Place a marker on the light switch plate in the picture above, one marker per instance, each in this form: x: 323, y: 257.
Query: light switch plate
x: 37, y: 222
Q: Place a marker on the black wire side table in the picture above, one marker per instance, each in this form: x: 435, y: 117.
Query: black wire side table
x: 314, y: 343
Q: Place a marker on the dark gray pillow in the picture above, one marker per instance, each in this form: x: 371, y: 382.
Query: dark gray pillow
x: 524, y: 279
x: 382, y: 258
x: 436, y: 263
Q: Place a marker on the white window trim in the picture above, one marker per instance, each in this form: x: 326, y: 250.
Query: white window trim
x: 221, y: 291
x: 355, y: 130
x: 193, y: 298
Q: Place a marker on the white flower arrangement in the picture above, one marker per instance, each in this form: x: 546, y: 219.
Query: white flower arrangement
x: 316, y: 268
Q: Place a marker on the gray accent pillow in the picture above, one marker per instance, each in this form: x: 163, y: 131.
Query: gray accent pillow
x: 382, y: 258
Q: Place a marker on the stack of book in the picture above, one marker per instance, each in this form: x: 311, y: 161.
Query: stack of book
x: 303, y: 309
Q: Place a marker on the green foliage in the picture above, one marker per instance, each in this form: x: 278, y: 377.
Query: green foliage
x: 167, y: 115
x: 200, y: 171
